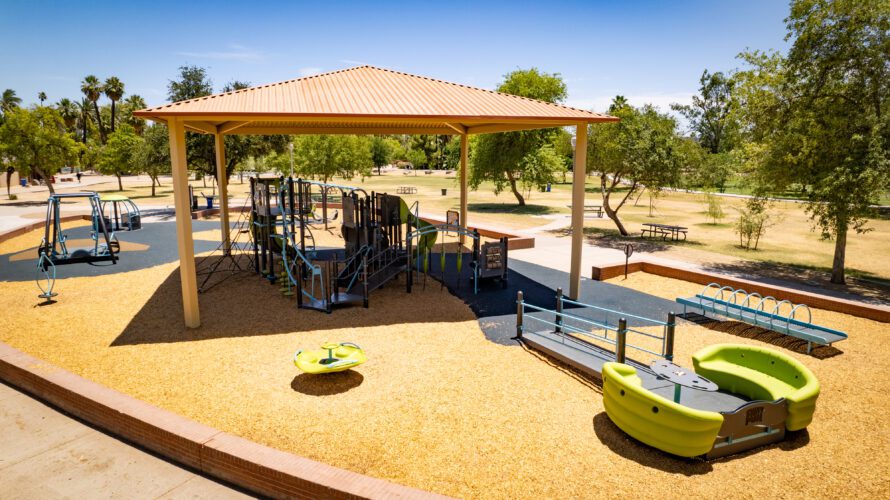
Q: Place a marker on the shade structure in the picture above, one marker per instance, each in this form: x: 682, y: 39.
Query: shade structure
x: 361, y: 100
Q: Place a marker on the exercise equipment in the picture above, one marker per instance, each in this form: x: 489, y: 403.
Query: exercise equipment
x: 124, y: 214
x: 765, y: 312
x: 53, y: 250
x: 331, y: 358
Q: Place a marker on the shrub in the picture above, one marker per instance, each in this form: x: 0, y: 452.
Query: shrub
x: 714, y: 207
x: 753, y: 222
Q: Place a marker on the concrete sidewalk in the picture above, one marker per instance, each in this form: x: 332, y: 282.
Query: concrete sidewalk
x: 46, y: 454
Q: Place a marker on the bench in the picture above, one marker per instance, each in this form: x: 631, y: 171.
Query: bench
x: 664, y: 230
x: 428, y: 172
x: 761, y: 374
x: 757, y: 314
x: 592, y: 210
x: 406, y: 190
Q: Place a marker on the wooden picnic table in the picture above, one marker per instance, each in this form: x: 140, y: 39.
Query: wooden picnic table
x: 406, y: 190
x: 664, y: 230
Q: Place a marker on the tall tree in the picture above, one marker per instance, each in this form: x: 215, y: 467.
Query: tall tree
x: 92, y: 90
x: 41, y: 96
x: 326, y: 156
x: 640, y: 151
x: 69, y: 113
x: 119, y: 156
x: 153, y: 155
x: 192, y: 83
x: 36, y: 141
x: 709, y: 115
x: 133, y: 103
x: 819, y: 116
x: 381, y: 152
x: 114, y: 90
x: 500, y: 158
x: 9, y: 100
x: 83, y: 107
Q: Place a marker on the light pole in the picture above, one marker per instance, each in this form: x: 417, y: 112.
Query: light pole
x: 290, y: 148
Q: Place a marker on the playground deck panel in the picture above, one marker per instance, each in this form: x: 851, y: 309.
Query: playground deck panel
x: 589, y: 359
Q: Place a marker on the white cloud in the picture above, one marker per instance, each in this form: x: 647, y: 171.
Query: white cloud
x: 309, y: 71
x: 236, y: 52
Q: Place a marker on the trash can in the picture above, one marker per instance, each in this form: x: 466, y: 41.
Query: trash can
x: 209, y: 201
x: 23, y: 182
x: 548, y: 187
x: 444, y: 191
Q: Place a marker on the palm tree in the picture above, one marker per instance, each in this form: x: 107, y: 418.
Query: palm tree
x: 83, y: 109
x: 92, y: 89
x: 69, y: 112
x: 42, y: 97
x: 114, y: 89
x: 9, y: 100
x: 133, y: 103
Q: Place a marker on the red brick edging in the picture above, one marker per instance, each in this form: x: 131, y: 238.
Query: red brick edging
x: 828, y: 303
x: 255, y: 467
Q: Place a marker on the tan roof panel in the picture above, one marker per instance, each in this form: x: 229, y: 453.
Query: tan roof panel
x: 369, y: 93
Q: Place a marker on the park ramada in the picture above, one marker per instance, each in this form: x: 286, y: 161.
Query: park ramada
x: 437, y: 406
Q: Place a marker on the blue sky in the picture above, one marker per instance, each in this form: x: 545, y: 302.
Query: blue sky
x: 649, y: 51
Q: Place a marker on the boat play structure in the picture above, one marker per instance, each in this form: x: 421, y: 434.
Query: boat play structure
x: 736, y: 398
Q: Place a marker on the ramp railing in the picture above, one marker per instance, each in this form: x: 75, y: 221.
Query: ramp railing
x: 587, y: 321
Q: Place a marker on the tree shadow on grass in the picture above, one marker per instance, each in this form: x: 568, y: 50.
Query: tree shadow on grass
x: 511, y: 208
x: 744, y: 330
x: 611, y: 238
x: 862, y: 286
x: 327, y: 384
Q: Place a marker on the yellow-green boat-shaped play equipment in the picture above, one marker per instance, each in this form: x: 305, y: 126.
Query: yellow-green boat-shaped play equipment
x: 332, y: 357
x: 781, y: 391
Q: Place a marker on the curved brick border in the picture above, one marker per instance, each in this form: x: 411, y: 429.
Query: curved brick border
x: 255, y: 467
x: 861, y: 309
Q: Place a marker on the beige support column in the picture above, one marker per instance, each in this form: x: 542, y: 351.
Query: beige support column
x: 187, y: 277
x: 578, y: 178
x: 223, y: 181
x: 464, y: 153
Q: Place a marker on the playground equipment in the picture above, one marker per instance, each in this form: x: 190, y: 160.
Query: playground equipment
x: 779, y: 393
x: 766, y: 312
x: 331, y: 358
x: 744, y: 396
x: 124, y: 214
x: 383, y: 237
x: 53, y: 250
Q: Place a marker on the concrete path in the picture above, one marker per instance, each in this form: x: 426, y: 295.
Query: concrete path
x: 46, y: 454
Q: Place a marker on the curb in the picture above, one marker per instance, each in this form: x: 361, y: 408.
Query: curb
x: 254, y: 467
x: 862, y: 310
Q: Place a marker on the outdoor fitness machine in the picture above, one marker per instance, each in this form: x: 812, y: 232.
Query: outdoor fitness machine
x: 53, y: 250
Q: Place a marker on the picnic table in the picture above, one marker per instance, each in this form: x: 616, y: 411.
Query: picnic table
x: 406, y: 190
x: 664, y: 230
x: 592, y: 210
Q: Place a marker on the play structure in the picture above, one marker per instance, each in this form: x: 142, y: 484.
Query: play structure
x: 766, y: 312
x: 779, y: 394
x: 383, y: 237
x: 737, y: 398
x: 331, y: 358
x: 120, y: 213
x: 54, y: 251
